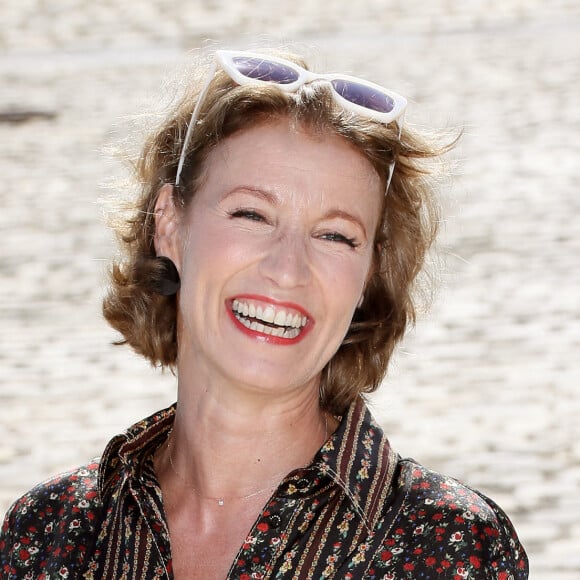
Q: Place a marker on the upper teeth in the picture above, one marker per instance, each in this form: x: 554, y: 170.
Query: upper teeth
x: 273, y: 315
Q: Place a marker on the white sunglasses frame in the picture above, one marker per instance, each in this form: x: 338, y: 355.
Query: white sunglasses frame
x: 225, y: 59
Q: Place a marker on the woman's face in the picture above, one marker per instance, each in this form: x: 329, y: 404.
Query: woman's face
x: 274, y: 252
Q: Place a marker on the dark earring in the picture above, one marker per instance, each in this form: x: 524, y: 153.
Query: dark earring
x: 167, y: 281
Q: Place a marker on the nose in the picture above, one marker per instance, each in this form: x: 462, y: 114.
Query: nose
x: 286, y: 262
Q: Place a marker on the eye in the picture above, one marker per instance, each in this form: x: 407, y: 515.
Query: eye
x: 249, y: 214
x: 340, y: 238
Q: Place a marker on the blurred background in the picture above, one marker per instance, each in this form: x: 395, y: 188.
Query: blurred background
x: 486, y: 387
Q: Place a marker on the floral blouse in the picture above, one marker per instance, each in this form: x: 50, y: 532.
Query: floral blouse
x: 358, y: 511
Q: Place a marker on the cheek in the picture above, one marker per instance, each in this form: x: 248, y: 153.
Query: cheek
x: 345, y: 283
x: 202, y: 240
x: 213, y: 254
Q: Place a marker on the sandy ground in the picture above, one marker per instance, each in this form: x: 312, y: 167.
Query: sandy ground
x: 485, y: 389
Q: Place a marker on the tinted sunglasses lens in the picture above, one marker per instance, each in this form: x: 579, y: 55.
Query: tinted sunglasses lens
x: 265, y: 70
x: 364, y: 96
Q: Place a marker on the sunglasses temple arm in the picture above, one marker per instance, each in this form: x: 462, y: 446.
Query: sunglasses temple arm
x: 391, y: 170
x: 392, y: 164
x: 193, y: 121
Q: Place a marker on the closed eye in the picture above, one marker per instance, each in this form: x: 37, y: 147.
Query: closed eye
x: 249, y: 214
x: 340, y: 238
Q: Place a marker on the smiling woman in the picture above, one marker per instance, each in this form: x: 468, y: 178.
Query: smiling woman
x: 271, y: 261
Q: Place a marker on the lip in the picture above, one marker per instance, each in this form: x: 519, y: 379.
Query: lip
x: 279, y: 340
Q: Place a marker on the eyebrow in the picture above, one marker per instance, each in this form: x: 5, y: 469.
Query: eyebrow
x: 259, y: 193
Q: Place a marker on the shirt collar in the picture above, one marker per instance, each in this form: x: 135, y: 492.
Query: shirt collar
x: 358, y: 458
x: 127, y: 453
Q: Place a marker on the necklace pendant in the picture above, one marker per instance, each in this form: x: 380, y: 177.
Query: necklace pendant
x: 220, y: 501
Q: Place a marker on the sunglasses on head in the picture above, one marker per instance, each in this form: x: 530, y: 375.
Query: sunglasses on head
x: 351, y: 93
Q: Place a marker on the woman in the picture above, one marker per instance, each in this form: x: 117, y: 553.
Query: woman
x: 282, y: 221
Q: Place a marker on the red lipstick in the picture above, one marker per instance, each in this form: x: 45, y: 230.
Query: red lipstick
x: 258, y: 305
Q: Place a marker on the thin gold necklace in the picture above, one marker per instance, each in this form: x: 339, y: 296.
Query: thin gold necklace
x: 222, y: 500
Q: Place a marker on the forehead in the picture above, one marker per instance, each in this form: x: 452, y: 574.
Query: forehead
x: 275, y: 152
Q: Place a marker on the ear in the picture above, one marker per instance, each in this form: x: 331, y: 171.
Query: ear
x: 167, y: 226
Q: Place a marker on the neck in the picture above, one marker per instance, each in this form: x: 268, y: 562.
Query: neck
x: 240, y: 447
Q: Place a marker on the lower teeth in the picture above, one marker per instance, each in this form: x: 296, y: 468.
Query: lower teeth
x: 281, y: 331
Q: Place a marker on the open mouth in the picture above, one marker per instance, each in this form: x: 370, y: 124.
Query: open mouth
x: 271, y: 320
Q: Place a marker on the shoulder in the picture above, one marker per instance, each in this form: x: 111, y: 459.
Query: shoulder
x: 441, y: 495
x: 57, y: 517
x: 452, y: 528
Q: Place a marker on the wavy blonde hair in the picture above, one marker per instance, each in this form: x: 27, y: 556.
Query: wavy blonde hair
x: 407, y: 228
